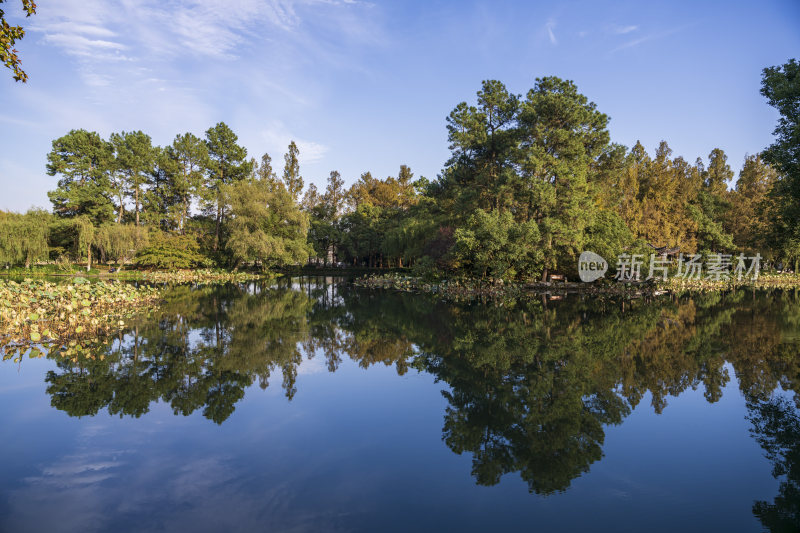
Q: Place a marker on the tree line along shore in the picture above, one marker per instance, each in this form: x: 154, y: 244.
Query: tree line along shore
x: 532, y: 180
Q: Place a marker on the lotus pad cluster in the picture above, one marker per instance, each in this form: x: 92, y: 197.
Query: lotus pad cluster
x: 41, y: 315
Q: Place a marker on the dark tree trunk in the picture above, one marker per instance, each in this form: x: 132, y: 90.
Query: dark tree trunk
x: 216, y: 230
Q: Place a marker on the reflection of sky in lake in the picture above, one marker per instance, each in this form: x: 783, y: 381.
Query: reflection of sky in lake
x: 366, y: 448
x: 356, y: 450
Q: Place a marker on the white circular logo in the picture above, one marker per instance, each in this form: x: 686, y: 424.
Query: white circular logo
x: 591, y: 267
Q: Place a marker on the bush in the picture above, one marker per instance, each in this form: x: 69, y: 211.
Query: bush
x: 167, y: 251
x: 424, y: 268
x: 493, y: 244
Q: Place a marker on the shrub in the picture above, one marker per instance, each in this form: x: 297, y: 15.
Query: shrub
x: 167, y: 251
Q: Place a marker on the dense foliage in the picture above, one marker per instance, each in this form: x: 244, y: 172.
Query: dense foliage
x: 532, y: 180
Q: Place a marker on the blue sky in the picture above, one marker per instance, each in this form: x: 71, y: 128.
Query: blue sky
x: 367, y: 85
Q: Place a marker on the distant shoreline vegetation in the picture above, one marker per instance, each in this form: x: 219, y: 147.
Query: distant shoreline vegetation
x: 469, y: 289
x: 532, y: 181
x: 154, y: 276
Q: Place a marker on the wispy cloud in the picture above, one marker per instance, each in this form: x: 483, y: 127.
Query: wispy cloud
x: 169, y: 66
x: 276, y: 138
x: 75, y: 44
x: 151, y: 30
x: 649, y: 37
x: 549, y: 27
x: 622, y: 30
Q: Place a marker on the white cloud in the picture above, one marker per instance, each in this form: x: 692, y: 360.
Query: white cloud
x: 650, y: 37
x: 276, y: 139
x: 204, y: 28
x: 79, y: 45
x: 622, y: 30
x: 551, y: 24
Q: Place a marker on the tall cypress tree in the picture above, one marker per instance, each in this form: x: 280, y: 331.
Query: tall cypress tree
x: 291, y: 172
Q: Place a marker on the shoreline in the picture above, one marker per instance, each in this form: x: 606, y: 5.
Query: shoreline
x: 469, y: 289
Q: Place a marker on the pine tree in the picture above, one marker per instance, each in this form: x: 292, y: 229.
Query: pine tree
x: 135, y: 157
x: 83, y: 160
x: 227, y: 164
x: 191, y: 155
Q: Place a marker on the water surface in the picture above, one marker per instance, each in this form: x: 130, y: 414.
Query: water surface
x: 313, y: 406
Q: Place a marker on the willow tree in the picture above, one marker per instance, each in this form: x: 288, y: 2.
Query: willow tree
x: 120, y: 241
x: 84, y: 238
x: 266, y: 226
x: 24, y: 238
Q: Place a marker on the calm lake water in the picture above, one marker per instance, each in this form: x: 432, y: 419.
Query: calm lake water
x: 313, y: 406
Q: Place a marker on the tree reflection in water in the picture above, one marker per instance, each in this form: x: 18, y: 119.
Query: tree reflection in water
x: 530, y: 386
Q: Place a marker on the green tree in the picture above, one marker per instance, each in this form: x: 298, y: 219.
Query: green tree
x: 483, y: 141
x: 748, y: 218
x: 562, y: 135
x: 335, y: 195
x: 83, y: 160
x: 170, y: 251
x: 667, y: 191
x: 780, y: 85
x: 227, y: 164
x: 324, y: 232
x: 84, y: 237
x: 292, y: 179
x: 120, y: 241
x: 265, y: 172
x: 266, y: 226
x: 135, y: 157
x: 493, y: 244
x: 24, y: 238
x: 162, y: 205
x: 191, y: 155
x: 718, y: 173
